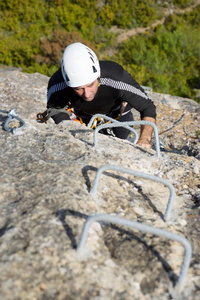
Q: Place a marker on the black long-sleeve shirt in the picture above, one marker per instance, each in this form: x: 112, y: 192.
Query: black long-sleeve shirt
x: 116, y: 86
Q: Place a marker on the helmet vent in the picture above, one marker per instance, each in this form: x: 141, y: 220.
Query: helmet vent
x: 63, y: 72
x: 94, y: 69
x: 67, y: 78
x: 92, y: 59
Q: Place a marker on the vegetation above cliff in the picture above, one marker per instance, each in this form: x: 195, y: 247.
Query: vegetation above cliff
x: 34, y: 33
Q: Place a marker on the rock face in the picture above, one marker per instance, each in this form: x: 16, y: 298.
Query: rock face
x: 47, y: 172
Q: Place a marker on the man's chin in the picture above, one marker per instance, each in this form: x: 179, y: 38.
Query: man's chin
x: 88, y: 99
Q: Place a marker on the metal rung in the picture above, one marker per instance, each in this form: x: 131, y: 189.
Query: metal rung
x: 146, y: 228
x: 113, y: 121
x: 127, y: 126
x: 138, y: 174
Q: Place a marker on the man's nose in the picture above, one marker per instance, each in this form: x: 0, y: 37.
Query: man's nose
x: 86, y: 92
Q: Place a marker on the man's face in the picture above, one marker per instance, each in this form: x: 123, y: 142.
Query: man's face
x: 87, y: 92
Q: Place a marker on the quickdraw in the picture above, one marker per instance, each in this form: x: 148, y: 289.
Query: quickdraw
x: 99, y: 121
x: 42, y: 117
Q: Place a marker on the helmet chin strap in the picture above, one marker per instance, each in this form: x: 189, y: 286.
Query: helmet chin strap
x: 99, y: 81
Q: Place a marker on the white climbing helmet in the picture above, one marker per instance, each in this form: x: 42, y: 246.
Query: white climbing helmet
x: 79, y: 65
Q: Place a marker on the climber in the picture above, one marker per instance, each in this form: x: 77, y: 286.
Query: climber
x: 90, y: 86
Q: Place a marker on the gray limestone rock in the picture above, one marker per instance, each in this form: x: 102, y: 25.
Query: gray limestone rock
x: 47, y: 172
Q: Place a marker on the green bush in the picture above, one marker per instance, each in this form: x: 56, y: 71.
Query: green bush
x: 170, y: 57
x: 34, y: 34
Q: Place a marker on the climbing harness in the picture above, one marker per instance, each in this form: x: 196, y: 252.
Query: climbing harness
x: 99, y: 120
x: 10, y: 115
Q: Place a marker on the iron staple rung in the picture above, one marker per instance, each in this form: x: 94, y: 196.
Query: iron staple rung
x: 115, y: 123
x: 146, y: 228
x: 138, y: 174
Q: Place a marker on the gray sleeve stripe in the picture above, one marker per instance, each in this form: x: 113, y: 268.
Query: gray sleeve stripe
x: 119, y: 85
x: 55, y: 88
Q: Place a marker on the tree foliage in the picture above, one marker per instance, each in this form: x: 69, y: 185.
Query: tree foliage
x: 34, y: 34
x: 170, y: 56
